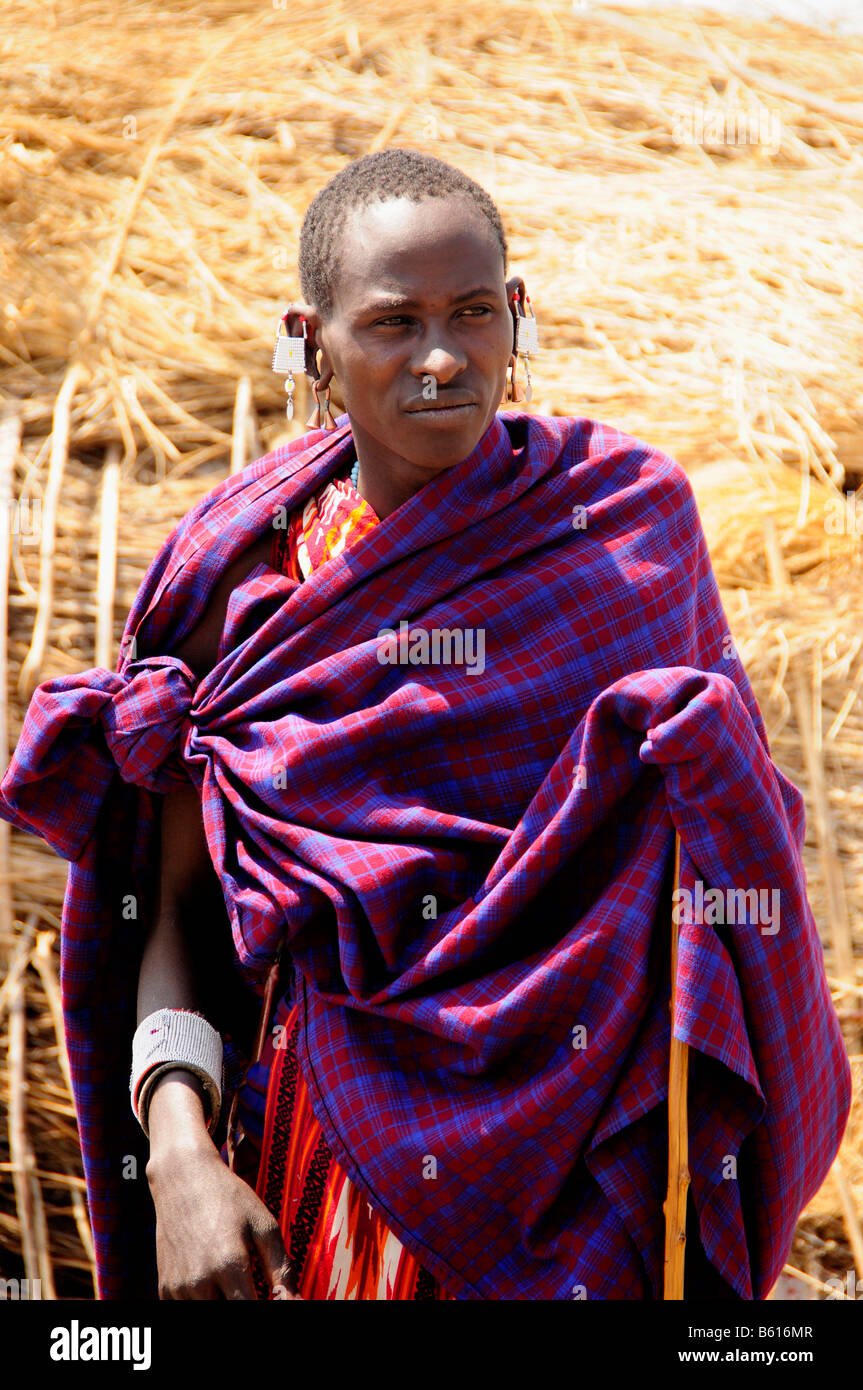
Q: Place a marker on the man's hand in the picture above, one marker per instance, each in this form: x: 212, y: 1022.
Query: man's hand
x: 208, y: 1222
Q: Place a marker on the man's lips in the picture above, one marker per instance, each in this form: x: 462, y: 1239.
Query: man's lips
x: 439, y: 403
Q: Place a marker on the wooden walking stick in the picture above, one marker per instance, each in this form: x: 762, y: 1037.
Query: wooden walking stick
x: 678, y: 1134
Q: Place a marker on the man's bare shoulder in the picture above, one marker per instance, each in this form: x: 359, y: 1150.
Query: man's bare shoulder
x: 199, y: 649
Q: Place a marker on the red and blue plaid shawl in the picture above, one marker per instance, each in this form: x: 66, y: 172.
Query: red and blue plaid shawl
x: 469, y: 867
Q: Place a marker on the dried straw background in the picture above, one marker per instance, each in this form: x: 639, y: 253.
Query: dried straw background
x: 155, y: 163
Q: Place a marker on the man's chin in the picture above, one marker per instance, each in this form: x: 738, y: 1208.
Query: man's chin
x: 427, y: 446
x: 438, y: 444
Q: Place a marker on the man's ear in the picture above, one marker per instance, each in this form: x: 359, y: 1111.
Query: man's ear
x: 322, y: 372
x: 296, y: 313
x: 513, y: 284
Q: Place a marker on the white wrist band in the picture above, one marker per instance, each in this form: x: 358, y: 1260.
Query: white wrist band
x: 175, y: 1038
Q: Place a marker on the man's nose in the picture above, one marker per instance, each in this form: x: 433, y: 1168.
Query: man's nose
x: 439, y: 358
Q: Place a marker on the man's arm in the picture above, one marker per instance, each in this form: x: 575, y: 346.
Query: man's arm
x: 167, y: 976
x: 208, y: 1220
x: 170, y: 978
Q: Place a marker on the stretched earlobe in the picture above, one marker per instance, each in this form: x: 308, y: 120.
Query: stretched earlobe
x: 513, y: 391
x: 525, y: 338
x: 325, y: 375
x: 322, y: 417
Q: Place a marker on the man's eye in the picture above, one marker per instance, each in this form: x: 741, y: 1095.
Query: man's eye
x: 392, y: 319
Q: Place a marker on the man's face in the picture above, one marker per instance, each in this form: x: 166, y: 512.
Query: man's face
x: 421, y: 333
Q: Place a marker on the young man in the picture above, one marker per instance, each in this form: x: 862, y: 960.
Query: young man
x: 429, y: 743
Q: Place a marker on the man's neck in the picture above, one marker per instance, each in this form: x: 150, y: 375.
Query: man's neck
x: 385, y: 479
x: 385, y: 495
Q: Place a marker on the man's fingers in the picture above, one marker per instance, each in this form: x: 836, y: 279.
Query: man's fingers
x: 236, y: 1281
x: 197, y: 1292
x: 274, y: 1258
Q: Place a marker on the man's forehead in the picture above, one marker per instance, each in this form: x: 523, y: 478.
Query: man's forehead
x: 400, y: 248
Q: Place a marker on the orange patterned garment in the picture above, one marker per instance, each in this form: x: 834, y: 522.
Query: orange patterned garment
x: 321, y: 529
x: 339, y: 1245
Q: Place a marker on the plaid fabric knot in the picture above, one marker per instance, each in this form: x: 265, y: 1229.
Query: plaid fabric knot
x: 142, y: 721
x: 81, y: 730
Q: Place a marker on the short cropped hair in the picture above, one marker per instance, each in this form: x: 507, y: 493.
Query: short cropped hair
x: 389, y: 173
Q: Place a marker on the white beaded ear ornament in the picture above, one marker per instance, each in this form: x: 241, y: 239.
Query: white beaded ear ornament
x: 526, y: 338
x: 289, y: 355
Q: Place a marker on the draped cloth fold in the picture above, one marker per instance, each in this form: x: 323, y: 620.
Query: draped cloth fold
x: 84, y: 729
x: 468, y: 860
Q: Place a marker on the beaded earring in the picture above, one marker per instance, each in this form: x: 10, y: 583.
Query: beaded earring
x: 526, y: 342
x: 289, y: 355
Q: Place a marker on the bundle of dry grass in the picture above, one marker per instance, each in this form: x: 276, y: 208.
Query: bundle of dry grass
x: 683, y: 198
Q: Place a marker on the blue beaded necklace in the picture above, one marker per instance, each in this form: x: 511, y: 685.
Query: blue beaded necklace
x: 355, y: 473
